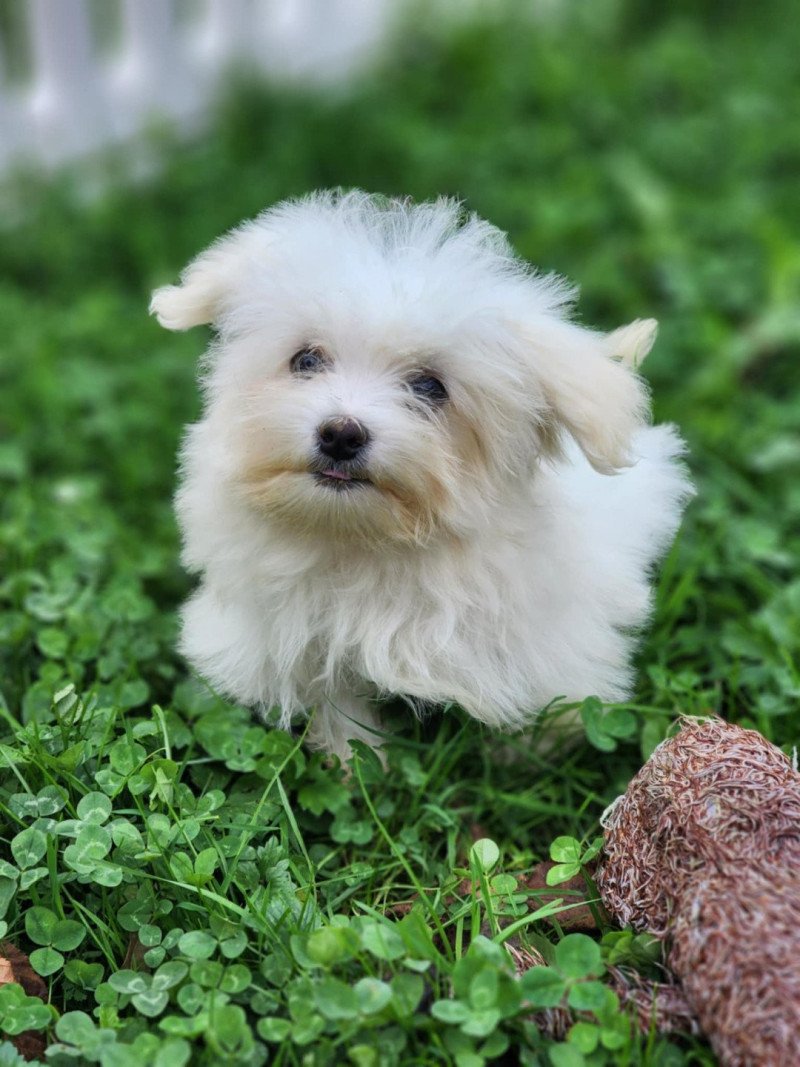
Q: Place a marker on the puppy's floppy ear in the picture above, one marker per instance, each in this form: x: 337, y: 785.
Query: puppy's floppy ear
x: 633, y: 342
x: 600, y: 400
x: 209, y: 281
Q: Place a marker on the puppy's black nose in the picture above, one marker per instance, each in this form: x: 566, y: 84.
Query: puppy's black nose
x: 342, y: 438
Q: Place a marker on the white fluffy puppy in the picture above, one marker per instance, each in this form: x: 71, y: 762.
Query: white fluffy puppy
x: 414, y: 475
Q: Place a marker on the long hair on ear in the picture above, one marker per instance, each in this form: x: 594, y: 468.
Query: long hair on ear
x: 209, y: 282
x: 598, y: 399
x: 633, y: 342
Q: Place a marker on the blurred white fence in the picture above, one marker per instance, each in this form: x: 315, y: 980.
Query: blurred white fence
x: 78, y: 75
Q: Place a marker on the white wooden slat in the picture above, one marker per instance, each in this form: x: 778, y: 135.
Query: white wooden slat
x: 226, y: 33
x: 65, y: 106
x: 152, y: 74
x: 320, y: 40
x: 364, y: 24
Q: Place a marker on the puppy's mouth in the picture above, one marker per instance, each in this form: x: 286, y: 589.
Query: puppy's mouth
x: 340, y: 478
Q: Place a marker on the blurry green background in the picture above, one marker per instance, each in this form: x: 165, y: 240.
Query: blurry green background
x: 651, y: 153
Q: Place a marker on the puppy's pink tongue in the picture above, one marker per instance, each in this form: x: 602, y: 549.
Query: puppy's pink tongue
x: 342, y: 475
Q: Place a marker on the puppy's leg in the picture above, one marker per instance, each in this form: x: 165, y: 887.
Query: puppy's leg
x: 341, y: 718
x: 222, y: 639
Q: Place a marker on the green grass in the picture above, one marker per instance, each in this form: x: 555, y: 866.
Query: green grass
x: 197, y: 885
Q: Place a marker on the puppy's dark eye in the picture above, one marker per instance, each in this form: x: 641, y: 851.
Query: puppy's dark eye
x: 307, y: 361
x: 428, y: 388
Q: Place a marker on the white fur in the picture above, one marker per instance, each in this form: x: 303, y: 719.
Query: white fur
x: 501, y: 557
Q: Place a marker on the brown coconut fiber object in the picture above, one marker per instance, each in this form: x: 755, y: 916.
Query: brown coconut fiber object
x: 703, y: 850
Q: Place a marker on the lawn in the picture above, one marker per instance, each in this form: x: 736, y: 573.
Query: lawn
x: 194, y: 886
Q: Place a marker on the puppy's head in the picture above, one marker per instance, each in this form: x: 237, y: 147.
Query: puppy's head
x: 390, y: 371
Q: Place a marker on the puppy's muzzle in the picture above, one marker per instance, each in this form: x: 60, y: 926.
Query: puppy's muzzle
x: 342, y: 438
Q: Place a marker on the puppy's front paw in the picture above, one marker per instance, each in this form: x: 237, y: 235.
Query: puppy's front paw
x: 339, y: 720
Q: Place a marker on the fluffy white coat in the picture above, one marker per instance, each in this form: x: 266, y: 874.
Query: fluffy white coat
x: 497, y: 547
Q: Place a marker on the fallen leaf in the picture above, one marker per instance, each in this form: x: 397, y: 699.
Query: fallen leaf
x: 16, y: 967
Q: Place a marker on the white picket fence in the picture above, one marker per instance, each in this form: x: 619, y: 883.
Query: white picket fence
x: 65, y: 97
